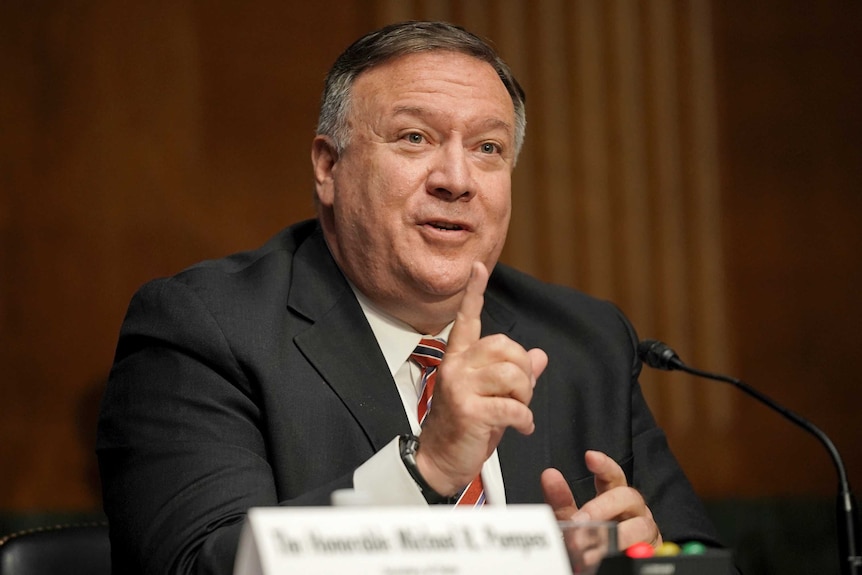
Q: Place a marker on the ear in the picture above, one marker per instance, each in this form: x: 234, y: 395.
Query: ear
x: 323, y: 159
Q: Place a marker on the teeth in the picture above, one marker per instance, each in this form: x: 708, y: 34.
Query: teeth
x: 444, y: 226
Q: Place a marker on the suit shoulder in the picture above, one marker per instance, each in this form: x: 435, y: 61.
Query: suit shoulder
x: 284, y: 244
x: 248, y: 279
x: 579, y: 332
x: 516, y: 289
x: 554, y: 309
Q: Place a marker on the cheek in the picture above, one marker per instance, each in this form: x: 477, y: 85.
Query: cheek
x: 368, y: 213
x: 498, y: 213
x: 499, y: 206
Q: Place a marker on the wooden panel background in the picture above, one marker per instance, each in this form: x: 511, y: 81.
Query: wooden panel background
x: 696, y: 162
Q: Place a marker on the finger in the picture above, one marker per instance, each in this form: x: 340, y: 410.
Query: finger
x: 558, y: 494
x: 588, y: 543
x: 608, y: 474
x: 503, y: 368
x: 504, y: 379
x: 468, y: 322
x: 617, y: 504
x: 592, y: 557
x: 616, y: 501
x: 503, y: 412
x: 639, y: 528
x: 538, y: 362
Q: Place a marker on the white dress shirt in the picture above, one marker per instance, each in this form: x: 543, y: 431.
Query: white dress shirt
x: 383, y: 479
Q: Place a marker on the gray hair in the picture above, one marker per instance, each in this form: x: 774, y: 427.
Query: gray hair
x: 399, y: 40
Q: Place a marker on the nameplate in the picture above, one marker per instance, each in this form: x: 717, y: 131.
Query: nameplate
x: 433, y: 540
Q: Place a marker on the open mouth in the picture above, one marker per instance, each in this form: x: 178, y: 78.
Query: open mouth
x: 445, y: 226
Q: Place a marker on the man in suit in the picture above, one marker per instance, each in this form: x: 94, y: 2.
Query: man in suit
x: 279, y: 376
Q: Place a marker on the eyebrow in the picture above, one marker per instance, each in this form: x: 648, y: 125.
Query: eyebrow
x: 418, y: 111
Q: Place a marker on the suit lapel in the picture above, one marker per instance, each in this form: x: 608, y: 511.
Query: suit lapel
x: 341, y: 346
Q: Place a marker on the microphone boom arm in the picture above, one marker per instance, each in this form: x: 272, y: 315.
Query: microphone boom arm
x: 659, y: 355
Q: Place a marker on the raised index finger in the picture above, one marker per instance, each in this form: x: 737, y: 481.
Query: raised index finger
x: 468, y: 323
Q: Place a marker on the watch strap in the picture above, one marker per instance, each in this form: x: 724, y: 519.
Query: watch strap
x: 408, y: 446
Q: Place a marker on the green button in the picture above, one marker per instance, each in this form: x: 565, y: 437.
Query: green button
x: 693, y: 548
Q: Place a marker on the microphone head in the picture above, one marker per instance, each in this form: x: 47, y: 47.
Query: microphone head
x: 658, y: 355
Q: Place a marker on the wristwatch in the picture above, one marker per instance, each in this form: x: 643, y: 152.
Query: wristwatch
x: 409, y: 445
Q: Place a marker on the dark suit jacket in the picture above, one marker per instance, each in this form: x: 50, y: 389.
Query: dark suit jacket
x: 256, y: 380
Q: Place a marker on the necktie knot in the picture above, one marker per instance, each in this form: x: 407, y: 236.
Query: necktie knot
x: 429, y: 353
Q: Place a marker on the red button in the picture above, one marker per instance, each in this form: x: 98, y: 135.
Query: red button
x: 642, y: 550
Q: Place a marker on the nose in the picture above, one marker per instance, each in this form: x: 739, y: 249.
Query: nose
x: 450, y: 175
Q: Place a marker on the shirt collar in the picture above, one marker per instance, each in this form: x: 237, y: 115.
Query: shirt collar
x: 396, y: 339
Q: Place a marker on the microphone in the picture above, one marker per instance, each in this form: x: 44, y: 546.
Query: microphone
x: 659, y: 355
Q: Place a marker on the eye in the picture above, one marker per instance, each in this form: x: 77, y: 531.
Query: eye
x: 414, y: 138
x: 490, y: 148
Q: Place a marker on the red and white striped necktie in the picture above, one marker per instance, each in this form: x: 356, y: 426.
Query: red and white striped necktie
x: 428, y: 354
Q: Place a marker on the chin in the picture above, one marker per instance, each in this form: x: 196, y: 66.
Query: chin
x: 443, y: 290
x: 446, y: 274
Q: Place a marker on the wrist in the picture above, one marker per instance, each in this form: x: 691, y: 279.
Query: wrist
x: 409, y: 448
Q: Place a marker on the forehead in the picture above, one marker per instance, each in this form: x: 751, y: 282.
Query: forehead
x: 449, y: 80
